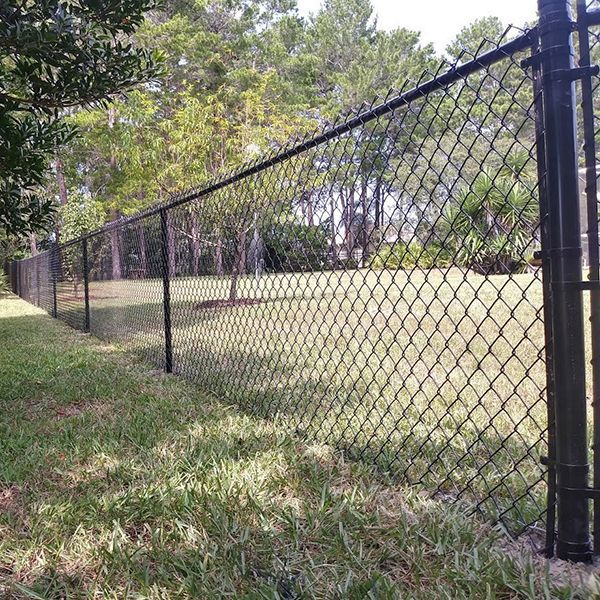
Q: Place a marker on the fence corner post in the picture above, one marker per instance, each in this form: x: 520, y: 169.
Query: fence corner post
x: 86, y: 284
x: 164, y: 252
x: 564, y: 256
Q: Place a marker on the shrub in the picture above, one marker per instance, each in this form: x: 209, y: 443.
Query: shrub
x: 408, y: 256
x: 296, y: 247
x: 491, y: 223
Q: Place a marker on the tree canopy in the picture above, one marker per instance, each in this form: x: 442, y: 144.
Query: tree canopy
x: 241, y: 79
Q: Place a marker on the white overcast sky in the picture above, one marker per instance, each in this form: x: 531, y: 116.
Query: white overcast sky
x: 440, y: 20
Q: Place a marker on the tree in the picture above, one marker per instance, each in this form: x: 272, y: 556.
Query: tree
x: 80, y: 216
x: 243, y: 75
x: 54, y: 56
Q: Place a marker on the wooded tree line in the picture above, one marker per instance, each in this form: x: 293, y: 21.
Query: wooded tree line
x: 241, y: 78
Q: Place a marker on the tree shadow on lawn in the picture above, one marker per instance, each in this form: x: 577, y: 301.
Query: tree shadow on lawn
x: 500, y: 473
x: 265, y: 381
x: 135, y: 454
x: 123, y: 480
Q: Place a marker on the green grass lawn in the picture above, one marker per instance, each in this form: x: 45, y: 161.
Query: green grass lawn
x: 435, y: 376
x: 119, y: 482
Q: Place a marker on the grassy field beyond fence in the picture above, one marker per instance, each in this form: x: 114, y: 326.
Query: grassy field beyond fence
x: 436, y: 376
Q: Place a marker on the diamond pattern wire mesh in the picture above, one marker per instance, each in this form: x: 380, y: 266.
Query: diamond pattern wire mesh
x: 372, y: 287
x: 68, y: 274
x: 125, y: 291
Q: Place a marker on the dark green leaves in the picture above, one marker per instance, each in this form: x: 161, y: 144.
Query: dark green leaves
x: 54, y: 55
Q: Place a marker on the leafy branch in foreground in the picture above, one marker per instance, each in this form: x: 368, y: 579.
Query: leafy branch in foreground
x: 55, y: 55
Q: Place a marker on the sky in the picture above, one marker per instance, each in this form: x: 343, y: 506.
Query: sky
x: 440, y: 20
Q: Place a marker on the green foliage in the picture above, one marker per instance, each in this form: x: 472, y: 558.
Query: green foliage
x: 243, y: 78
x: 28, y: 141
x: 81, y: 215
x: 12, y: 247
x: 56, y: 55
x: 296, y: 247
x: 401, y: 255
x: 491, y: 224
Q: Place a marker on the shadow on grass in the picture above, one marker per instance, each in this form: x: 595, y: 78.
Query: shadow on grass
x: 103, y: 448
x: 499, y: 471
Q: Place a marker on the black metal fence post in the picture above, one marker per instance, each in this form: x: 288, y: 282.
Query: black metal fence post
x: 564, y: 254
x: 164, y: 251
x: 86, y: 284
x: 591, y: 191
x: 547, y: 295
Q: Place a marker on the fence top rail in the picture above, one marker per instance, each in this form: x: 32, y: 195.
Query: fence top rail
x: 445, y: 76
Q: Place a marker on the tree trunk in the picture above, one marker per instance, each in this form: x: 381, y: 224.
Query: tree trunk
x: 350, y: 222
x: 115, y: 251
x: 62, y: 189
x: 377, y: 195
x: 115, y: 247
x: 115, y: 233
x: 172, y: 246
x: 256, y: 247
x: 333, y: 232
x: 239, y: 264
x: 195, y: 242
x: 219, y: 270
x: 60, y: 180
x: 142, y: 248
x: 302, y: 207
x: 364, y: 223
x: 33, y: 244
x: 310, y: 217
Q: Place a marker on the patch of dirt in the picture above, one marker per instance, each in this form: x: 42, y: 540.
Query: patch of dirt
x: 157, y: 373
x: 77, y: 408
x: 582, y: 577
x: 74, y: 298
x: 226, y: 303
x: 64, y: 412
x: 10, y: 499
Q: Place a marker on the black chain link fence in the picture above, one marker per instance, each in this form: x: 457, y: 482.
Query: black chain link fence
x: 373, y: 287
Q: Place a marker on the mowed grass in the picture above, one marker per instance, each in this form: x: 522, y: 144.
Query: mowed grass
x: 435, y: 376
x: 119, y: 482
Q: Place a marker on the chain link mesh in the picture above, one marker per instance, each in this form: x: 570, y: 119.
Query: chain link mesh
x: 373, y: 287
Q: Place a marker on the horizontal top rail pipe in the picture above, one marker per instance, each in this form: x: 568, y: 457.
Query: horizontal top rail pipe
x: 438, y: 82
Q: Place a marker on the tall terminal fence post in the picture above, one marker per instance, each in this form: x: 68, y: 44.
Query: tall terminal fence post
x: 564, y: 255
x: 593, y: 245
